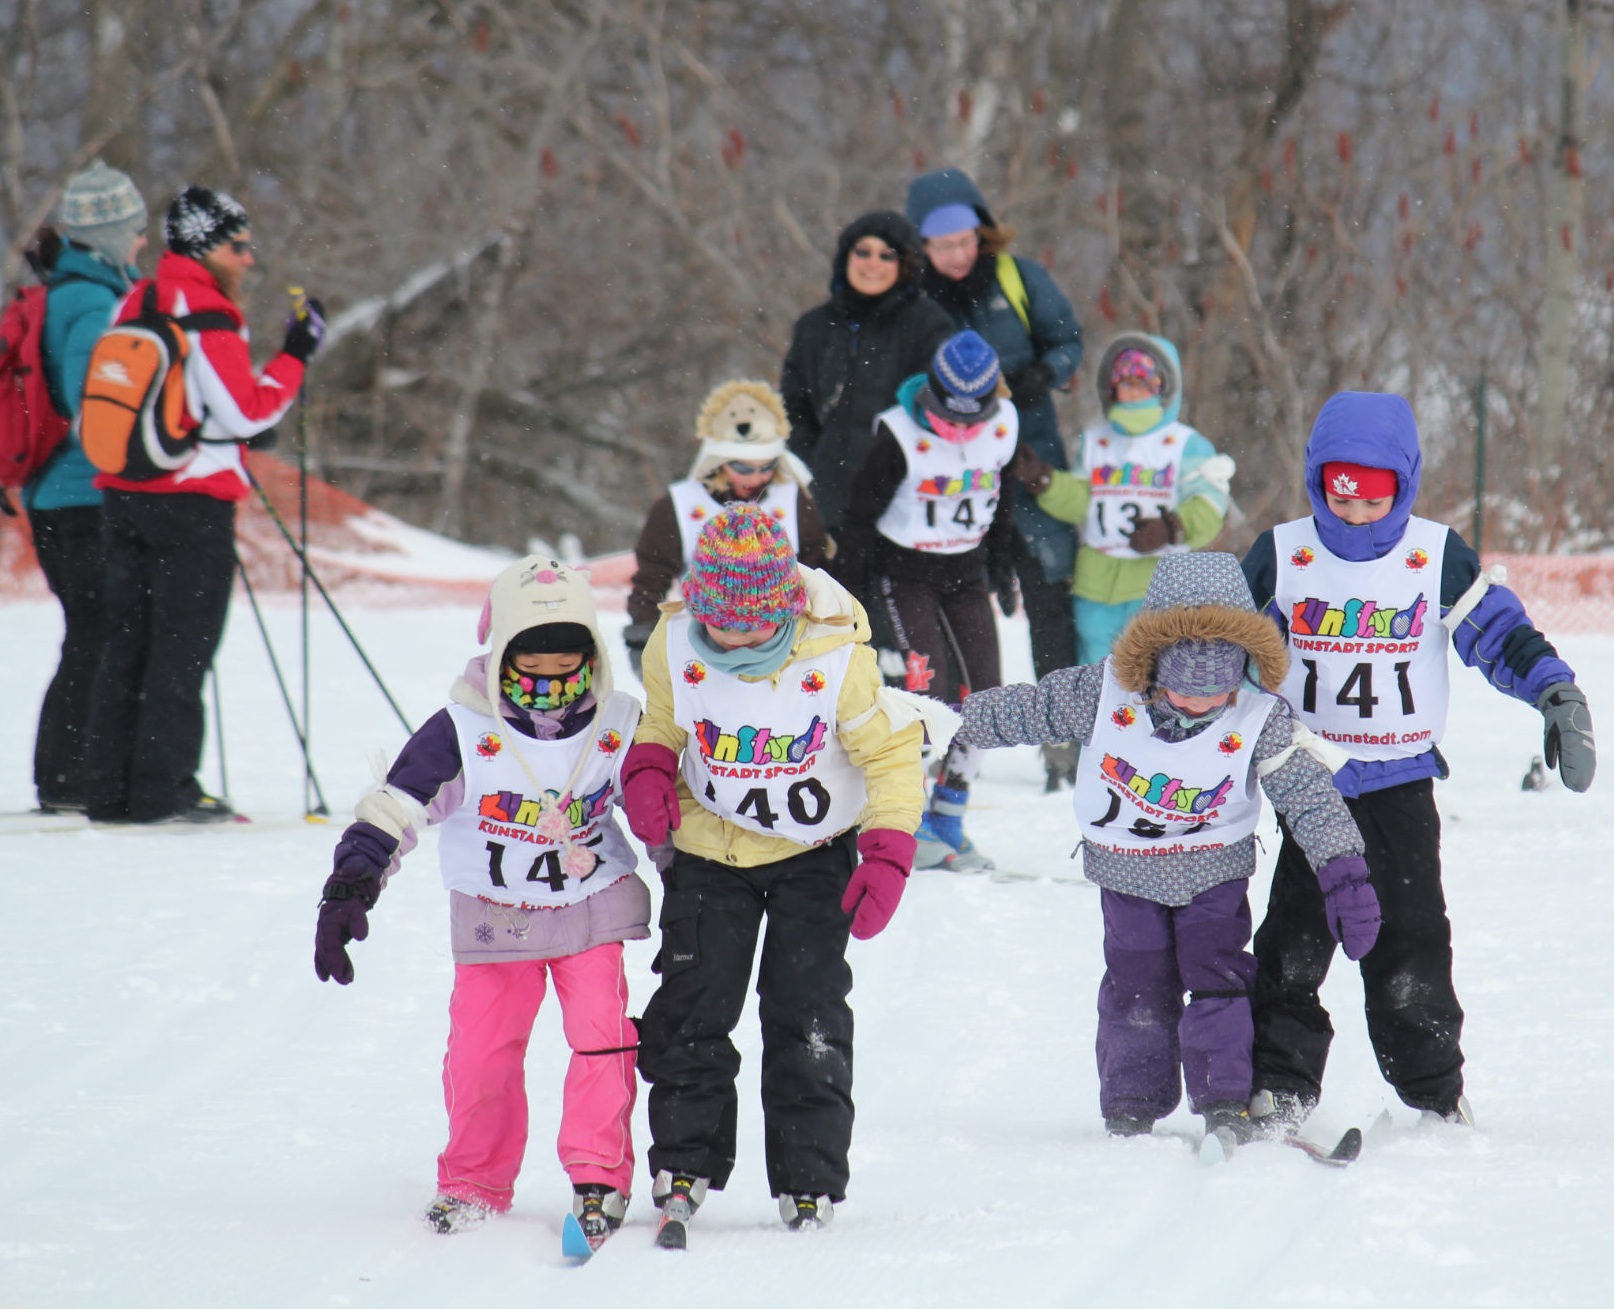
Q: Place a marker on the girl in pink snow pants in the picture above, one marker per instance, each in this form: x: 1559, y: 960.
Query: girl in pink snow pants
x: 521, y: 774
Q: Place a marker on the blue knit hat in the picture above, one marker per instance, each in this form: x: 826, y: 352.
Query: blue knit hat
x: 963, y: 381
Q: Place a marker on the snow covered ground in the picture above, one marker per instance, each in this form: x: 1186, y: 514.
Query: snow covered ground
x: 189, y: 1118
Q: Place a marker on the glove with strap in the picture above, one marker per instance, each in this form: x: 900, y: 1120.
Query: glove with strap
x: 1350, y: 903
x: 650, y: 792
x: 884, y: 858
x: 305, y: 331
x: 1155, y: 533
x: 1567, y: 744
x: 349, y: 893
x: 1031, y: 470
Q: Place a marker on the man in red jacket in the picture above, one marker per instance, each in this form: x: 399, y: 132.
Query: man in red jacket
x: 169, y: 543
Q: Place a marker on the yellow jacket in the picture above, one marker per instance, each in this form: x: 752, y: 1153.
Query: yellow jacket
x: 892, y: 772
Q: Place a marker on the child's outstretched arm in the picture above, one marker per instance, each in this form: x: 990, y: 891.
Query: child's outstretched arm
x: 1302, y: 790
x: 1057, y: 709
x: 1491, y: 631
x: 425, y: 783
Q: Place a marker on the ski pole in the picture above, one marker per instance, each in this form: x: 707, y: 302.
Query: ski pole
x: 299, y: 305
x: 280, y: 523
x: 218, y: 729
x: 285, y: 697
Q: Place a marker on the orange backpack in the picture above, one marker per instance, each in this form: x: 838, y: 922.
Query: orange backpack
x: 131, y: 419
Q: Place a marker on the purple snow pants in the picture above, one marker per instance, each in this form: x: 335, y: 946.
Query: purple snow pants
x: 1153, y: 953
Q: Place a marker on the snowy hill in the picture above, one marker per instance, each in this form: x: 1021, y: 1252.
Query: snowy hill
x: 191, y: 1119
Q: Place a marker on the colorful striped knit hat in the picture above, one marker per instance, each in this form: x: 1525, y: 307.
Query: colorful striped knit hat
x: 742, y: 573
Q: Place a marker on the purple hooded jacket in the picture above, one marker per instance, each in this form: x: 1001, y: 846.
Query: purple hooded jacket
x: 1497, y: 637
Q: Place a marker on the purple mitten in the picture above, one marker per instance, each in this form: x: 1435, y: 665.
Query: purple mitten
x: 349, y: 893
x: 650, y: 792
x: 1350, y: 904
x: 877, y: 882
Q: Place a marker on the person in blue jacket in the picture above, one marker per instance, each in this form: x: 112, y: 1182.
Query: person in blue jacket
x: 102, y: 218
x: 1018, y: 308
x: 1370, y: 598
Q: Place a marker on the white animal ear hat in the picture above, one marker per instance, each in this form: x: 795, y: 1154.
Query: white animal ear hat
x: 745, y: 421
x: 536, y: 592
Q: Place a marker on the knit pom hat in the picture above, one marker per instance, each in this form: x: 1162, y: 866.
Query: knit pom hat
x: 200, y: 218
x: 102, y: 209
x: 1197, y: 668
x: 743, y: 573
x: 963, y: 380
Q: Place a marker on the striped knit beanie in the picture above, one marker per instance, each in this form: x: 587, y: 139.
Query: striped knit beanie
x: 963, y: 380
x: 743, y: 574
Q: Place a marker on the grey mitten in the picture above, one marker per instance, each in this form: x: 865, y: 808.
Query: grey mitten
x: 1567, y: 740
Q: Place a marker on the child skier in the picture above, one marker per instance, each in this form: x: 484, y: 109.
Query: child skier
x: 768, y: 740
x: 928, y: 530
x: 521, y: 770
x: 1146, y: 485
x: 742, y: 458
x: 1350, y: 587
x: 1175, y: 734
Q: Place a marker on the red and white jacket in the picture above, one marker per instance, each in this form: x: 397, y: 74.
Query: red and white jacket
x: 225, y: 397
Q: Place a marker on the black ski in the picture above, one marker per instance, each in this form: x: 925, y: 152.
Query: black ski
x: 1345, y: 1151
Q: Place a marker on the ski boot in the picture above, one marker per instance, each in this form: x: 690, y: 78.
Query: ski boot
x: 599, y: 1210
x: 805, y: 1211
x: 1229, y: 1121
x: 449, y: 1215
x: 1460, y: 1114
x: 942, y: 843
x: 1128, y: 1125
x: 1279, y: 1113
x: 678, y: 1196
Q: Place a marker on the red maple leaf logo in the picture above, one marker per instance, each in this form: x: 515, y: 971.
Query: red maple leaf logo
x: 919, y: 672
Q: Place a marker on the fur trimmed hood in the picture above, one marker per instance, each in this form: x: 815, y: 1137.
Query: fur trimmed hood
x: 1199, y: 597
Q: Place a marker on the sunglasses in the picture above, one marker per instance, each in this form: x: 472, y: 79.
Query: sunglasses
x: 885, y: 255
x: 242, y: 247
x: 751, y: 470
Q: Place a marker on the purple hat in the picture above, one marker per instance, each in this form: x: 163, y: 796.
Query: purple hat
x: 1194, y: 667
x: 947, y: 219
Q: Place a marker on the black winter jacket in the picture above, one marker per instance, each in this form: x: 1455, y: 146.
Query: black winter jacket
x: 847, y: 358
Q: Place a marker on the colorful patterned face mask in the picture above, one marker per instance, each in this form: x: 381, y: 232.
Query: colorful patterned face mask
x: 534, y: 691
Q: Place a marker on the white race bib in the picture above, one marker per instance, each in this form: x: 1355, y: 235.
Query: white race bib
x: 1368, y: 650
x: 694, y: 506
x: 761, y: 756
x: 1137, y: 794
x: 950, y: 491
x: 1132, y: 478
x: 495, y: 845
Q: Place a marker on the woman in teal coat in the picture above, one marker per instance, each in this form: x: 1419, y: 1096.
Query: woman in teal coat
x: 103, y: 221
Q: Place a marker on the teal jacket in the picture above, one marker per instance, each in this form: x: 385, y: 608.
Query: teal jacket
x: 83, y: 293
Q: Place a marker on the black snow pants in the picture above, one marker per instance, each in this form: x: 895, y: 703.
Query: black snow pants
x: 170, y: 564
x: 1413, y: 1018
x: 711, y: 914
x: 68, y: 544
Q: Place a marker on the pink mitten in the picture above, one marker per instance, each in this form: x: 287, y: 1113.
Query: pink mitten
x: 877, y: 882
x: 650, y: 792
